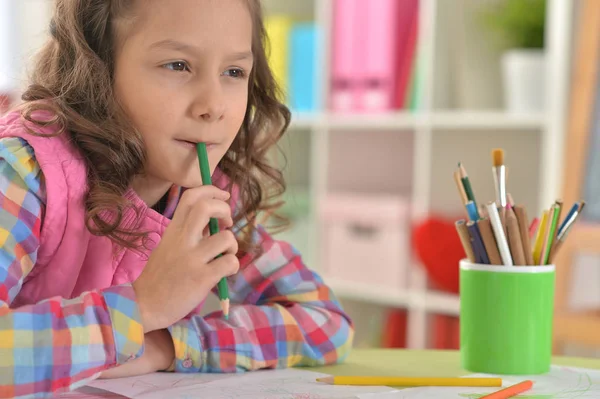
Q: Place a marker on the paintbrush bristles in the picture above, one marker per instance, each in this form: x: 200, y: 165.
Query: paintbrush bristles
x: 498, y: 157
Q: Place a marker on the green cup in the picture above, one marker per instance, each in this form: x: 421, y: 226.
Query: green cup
x: 506, y: 315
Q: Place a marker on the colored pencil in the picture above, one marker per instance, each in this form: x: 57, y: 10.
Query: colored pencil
x: 460, y: 187
x: 535, y: 223
x: 499, y: 234
x: 539, y: 238
x: 560, y: 209
x: 510, y: 391
x: 487, y: 235
x: 466, y: 183
x: 472, y: 211
x: 510, y: 203
x: 413, y: 381
x: 213, y: 224
x: 521, y: 214
x: 514, y: 238
x: 465, y: 239
x: 553, y: 223
x: 478, y: 246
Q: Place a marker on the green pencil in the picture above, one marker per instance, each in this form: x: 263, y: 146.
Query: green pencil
x: 213, y: 225
x: 466, y: 183
x: 551, y: 233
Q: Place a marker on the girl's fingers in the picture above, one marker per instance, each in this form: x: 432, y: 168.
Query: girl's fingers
x: 225, y: 266
x: 191, y: 197
x: 223, y: 242
x: 200, y: 214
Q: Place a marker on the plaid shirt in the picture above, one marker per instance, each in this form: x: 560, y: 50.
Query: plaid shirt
x: 282, y: 314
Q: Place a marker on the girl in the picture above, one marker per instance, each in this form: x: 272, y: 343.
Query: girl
x: 105, y: 258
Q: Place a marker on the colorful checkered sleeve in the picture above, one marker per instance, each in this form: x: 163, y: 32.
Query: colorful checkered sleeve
x: 283, y: 316
x: 57, y: 344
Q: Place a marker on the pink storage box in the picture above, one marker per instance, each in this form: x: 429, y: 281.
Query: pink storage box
x: 366, y: 239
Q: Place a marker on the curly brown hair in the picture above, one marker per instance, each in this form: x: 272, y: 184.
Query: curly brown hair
x: 73, y: 80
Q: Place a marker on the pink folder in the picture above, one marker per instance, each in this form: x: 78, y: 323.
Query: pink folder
x: 378, y: 77
x: 346, y: 54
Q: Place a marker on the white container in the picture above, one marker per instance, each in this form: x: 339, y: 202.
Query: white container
x: 366, y: 239
x: 523, y: 74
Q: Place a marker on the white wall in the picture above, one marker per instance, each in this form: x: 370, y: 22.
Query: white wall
x: 7, y: 45
x: 23, y: 30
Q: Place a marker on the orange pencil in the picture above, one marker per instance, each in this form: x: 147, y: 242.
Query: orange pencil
x: 511, y: 391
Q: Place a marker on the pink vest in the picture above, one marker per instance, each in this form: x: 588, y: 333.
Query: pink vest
x: 70, y: 259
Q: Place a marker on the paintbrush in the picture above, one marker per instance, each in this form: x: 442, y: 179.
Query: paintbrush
x: 499, y: 176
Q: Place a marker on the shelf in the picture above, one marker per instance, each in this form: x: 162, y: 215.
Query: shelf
x: 430, y: 301
x: 451, y: 120
x: 396, y: 120
x: 368, y: 293
x: 305, y: 120
x: 391, y: 120
x: 485, y: 120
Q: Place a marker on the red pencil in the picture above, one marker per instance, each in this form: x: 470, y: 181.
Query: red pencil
x: 535, y: 223
x: 510, y: 391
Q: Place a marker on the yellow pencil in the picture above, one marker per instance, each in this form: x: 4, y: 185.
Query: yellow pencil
x: 539, y: 239
x: 413, y: 381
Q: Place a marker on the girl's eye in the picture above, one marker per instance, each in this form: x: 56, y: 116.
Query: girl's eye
x: 236, y: 73
x: 177, y: 66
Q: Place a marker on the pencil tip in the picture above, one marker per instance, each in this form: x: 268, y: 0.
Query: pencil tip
x: 327, y: 380
x: 225, y: 308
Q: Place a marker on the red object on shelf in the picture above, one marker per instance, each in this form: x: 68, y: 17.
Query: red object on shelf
x: 445, y: 332
x: 438, y: 247
x: 394, y: 333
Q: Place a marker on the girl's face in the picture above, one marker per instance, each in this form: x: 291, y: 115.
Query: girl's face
x: 181, y: 74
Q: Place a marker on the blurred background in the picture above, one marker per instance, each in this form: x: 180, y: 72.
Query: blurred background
x: 387, y: 97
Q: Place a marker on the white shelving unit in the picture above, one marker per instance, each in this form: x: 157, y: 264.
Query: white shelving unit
x: 442, y: 133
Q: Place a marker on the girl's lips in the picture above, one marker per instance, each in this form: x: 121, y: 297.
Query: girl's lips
x: 189, y: 144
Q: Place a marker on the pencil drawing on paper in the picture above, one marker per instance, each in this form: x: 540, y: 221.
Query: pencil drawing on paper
x: 586, y: 387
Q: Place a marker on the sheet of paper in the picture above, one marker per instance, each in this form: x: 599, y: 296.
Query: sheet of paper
x: 88, y: 392
x: 134, y: 387
x: 266, y: 384
x: 559, y: 383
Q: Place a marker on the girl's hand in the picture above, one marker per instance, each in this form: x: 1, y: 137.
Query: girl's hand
x: 158, y: 355
x: 182, y: 269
